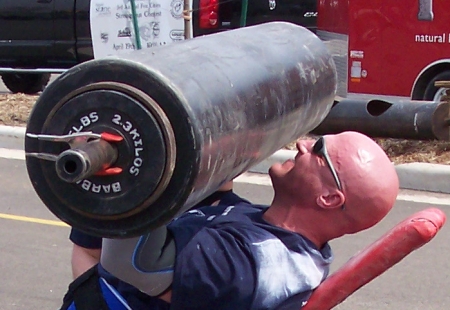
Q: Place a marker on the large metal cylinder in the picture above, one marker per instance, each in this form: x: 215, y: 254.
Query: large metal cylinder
x: 192, y: 116
x: 389, y: 118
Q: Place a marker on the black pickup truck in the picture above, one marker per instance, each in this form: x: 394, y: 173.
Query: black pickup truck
x: 40, y: 37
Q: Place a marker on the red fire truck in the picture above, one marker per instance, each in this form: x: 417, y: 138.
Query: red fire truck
x: 387, y: 47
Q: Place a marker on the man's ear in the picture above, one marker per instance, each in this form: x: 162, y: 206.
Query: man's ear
x: 331, y: 199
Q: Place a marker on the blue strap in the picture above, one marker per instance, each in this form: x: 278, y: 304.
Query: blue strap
x: 112, y: 298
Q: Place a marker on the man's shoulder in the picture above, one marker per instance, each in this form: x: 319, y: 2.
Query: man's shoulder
x: 242, y: 222
x: 237, y: 217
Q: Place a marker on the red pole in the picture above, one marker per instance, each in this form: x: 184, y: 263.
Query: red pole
x: 392, y: 247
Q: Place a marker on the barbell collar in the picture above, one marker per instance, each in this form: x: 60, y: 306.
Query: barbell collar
x: 73, y: 165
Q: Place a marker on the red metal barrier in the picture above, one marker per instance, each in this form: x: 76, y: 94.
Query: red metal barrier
x: 392, y: 247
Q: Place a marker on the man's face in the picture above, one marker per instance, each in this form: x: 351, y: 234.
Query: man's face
x: 300, y: 170
x: 305, y: 171
x: 302, y: 158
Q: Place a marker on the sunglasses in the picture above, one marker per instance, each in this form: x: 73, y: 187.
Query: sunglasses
x: 320, y: 150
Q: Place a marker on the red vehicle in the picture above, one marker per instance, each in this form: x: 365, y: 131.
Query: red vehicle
x: 387, y: 47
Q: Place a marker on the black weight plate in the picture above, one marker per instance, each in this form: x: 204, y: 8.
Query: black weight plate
x: 142, y: 154
x: 127, y: 78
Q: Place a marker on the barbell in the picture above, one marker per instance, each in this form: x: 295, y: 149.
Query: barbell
x: 119, y: 146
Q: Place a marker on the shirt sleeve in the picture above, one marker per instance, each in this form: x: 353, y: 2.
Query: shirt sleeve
x: 214, y: 271
x: 85, y: 240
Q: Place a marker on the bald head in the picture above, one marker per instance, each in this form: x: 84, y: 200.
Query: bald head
x: 348, y: 169
x: 369, y: 180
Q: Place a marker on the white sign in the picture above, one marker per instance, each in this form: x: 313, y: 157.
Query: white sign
x: 160, y: 22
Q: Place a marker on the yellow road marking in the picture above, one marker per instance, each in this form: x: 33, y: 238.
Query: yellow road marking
x: 32, y: 220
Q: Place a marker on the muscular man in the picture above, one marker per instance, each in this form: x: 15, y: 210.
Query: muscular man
x: 245, y: 256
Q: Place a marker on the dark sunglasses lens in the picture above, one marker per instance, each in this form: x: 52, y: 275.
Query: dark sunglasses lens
x: 318, y: 147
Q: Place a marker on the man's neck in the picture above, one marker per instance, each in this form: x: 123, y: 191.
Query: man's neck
x: 298, y: 220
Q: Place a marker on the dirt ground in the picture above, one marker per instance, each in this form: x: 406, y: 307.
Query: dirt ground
x: 15, y: 109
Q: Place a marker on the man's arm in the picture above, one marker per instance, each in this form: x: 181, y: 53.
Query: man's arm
x: 83, y: 259
x: 85, y: 252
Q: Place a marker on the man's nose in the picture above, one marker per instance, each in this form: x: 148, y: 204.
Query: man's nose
x: 304, y: 146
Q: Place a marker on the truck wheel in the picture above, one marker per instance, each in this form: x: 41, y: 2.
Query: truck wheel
x: 27, y: 83
x: 433, y: 93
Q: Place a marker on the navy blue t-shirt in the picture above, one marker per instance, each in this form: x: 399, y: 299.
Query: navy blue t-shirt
x: 228, y: 257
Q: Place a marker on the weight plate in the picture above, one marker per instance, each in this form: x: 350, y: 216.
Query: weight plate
x: 145, y: 154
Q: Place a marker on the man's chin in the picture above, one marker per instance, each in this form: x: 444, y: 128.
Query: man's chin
x: 280, y: 169
x: 285, y: 167
x: 272, y: 172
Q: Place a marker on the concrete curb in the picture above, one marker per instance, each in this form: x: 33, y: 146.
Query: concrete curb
x: 14, y: 132
x: 414, y: 176
x: 425, y: 177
